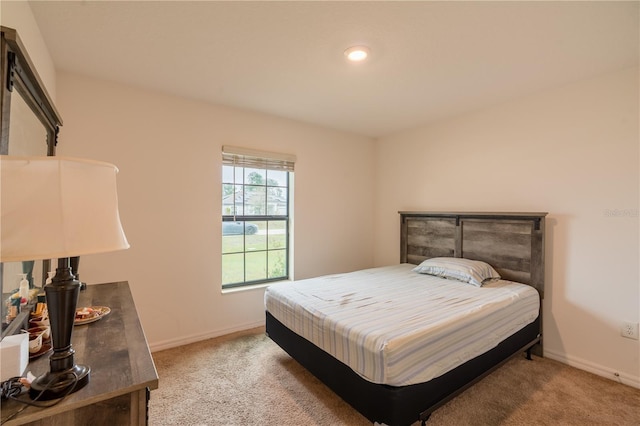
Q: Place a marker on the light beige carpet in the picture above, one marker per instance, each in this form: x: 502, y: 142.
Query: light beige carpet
x: 246, y: 379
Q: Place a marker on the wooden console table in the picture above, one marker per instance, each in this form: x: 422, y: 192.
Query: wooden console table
x: 122, y: 370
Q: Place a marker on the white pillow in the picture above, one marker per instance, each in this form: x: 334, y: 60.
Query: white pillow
x: 474, y: 272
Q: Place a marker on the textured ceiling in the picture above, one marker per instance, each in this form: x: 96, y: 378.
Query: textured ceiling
x: 429, y: 60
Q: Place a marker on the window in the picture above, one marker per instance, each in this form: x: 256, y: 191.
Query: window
x: 255, y: 216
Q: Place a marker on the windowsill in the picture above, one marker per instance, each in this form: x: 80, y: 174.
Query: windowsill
x: 251, y: 287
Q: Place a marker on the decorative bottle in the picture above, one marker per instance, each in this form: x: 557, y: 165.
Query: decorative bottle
x: 24, y: 291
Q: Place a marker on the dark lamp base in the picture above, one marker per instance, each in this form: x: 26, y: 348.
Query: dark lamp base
x: 59, y: 384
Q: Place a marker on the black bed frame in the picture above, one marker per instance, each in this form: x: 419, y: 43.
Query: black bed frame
x: 513, y: 243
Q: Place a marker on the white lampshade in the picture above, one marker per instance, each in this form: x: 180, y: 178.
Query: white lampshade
x: 56, y: 207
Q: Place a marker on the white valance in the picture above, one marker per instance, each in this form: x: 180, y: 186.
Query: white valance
x: 244, y: 157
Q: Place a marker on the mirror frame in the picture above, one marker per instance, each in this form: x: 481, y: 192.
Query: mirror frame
x: 19, y: 73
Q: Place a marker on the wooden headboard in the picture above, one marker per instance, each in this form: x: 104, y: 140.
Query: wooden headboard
x: 513, y: 243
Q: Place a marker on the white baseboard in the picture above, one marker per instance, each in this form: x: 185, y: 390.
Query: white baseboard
x: 573, y: 361
x: 591, y: 367
x: 185, y: 340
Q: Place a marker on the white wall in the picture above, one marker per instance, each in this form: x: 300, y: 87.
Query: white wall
x: 572, y: 152
x: 168, y: 150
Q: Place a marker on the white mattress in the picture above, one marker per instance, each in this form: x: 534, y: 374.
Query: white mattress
x: 397, y: 327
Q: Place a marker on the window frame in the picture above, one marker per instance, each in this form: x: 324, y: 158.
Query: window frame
x: 263, y: 165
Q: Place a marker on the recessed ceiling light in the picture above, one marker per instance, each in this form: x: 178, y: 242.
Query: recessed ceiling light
x: 357, y: 53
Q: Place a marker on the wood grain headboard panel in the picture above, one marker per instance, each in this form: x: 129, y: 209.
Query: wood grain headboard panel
x: 513, y: 243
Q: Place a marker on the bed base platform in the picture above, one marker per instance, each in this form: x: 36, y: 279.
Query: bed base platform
x: 397, y: 405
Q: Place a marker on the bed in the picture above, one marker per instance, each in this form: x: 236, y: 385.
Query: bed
x: 396, y: 378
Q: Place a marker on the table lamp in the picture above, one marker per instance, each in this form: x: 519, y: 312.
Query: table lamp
x: 58, y: 207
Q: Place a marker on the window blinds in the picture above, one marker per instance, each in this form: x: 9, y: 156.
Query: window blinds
x: 236, y: 156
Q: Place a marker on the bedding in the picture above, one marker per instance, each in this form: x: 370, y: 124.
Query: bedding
x: 394, y: 326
